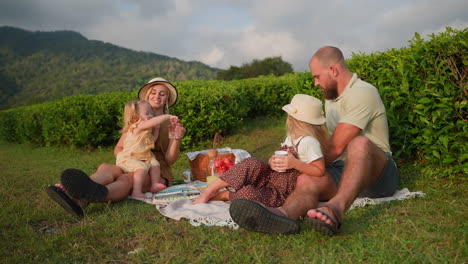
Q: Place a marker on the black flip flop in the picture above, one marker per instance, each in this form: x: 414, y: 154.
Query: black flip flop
x: 255, y: 217
x: 60, y: 197
x: 78, y: 184
x: 322, y: 227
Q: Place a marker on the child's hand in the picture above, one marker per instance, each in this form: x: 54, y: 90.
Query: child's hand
x: 282, y: 163
x: 174, y: 119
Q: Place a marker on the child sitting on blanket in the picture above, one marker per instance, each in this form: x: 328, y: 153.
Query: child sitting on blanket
x: 136, y: 156
x: 270, y: 183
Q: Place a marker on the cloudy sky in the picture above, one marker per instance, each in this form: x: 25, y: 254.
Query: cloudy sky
x: 222, y: 33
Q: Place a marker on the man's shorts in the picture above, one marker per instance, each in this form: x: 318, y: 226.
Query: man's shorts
x: 385, y: 186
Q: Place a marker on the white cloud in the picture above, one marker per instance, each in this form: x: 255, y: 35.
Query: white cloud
x: 222, y: 33
x: 214, y: 57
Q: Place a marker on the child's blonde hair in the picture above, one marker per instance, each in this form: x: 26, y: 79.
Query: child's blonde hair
x: 131, y: 114
x: 296, y: 129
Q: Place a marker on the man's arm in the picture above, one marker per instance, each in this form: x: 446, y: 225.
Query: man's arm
x: 342, y: 135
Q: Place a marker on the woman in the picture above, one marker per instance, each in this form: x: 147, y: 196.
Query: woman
x: 109, y: 183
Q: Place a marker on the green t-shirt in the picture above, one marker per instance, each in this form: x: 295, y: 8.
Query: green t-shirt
x: 360, y: 105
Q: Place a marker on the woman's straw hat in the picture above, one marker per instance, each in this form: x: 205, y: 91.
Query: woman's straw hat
x: 306, y: 108
x: 158, y: 80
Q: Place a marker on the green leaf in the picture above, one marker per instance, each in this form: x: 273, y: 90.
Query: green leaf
x: 448, y: 160
x: 444, y: 140
x: 425, y: 100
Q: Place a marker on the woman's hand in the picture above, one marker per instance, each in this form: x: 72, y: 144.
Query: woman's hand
x: 176, y: 130
x: 176, y: 133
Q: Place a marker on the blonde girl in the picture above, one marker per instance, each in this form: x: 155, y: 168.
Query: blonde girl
x: 141, y: 128
x: 270, y: 183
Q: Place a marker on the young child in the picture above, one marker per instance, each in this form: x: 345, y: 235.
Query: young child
x: 254, y: 179
x: 141, y: 128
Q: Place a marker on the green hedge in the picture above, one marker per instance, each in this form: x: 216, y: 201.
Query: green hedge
x: 85, y: 121
x: 423, y: 87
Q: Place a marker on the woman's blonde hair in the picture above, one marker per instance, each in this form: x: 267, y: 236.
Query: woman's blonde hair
x: 166, y: 106
x: 296, y: 129
x: 131, y: 114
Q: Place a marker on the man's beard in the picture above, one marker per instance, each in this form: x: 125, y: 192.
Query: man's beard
x: 331, y: 92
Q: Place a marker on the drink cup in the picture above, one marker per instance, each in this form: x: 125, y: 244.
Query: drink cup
x: 187, y: 176
x: 281, y: 153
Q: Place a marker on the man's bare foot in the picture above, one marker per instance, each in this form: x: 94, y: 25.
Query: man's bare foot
x: 325, y: 214
x: 157, y: 187
x: 325, y: 220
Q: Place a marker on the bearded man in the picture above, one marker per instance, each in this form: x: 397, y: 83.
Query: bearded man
x: 358, y: 157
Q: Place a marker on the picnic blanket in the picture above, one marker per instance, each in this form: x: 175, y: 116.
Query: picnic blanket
x: 216, y: 213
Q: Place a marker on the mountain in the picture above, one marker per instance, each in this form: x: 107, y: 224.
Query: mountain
x: 42, y: 66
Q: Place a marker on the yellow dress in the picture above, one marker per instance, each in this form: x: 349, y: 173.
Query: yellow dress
x: 136, y: 153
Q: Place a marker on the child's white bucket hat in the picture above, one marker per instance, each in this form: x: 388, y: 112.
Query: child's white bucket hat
x: 306, y: 108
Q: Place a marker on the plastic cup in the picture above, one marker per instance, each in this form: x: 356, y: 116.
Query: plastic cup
x: 187, y: 176
x: 281, y: 153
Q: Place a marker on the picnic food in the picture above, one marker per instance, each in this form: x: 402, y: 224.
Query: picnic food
x: 219, y: 166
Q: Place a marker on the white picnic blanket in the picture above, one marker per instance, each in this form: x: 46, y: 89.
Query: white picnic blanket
x: 216, y: 213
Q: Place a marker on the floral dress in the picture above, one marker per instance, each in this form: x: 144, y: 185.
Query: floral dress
x: 254, y: 179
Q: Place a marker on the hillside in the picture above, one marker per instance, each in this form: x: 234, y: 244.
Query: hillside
x: 42, y: 66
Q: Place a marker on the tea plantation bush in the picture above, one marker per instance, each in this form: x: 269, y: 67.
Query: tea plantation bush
x: 423, y: 87
x: 85, y: 121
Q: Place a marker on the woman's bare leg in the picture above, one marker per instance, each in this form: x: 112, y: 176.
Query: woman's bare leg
x: 118, y: 184
x: 121, y: 188
x: 106, y: 173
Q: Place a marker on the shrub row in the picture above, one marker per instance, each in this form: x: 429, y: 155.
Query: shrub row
x: 423, y: 87
x: 84, y: 121
x: 204, y: 107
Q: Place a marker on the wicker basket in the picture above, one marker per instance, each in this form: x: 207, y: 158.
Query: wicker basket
x: 200, y: 163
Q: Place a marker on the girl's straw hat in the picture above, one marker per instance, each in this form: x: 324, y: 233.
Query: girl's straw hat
x: 159, y: 80
x: 306, y: 108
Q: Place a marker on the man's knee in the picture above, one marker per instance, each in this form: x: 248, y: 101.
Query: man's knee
x: 361, y: 147
x: 306, y: 183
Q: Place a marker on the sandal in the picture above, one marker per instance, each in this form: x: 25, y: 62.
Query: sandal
x: 255, y: 217
x: 324, y: 228
x: 60, y: 197
x: 78, y: 184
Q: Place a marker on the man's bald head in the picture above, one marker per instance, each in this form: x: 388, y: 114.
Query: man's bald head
x: 329, y: 55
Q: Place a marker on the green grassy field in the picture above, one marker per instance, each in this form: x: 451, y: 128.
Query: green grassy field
x: 432, y: 229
